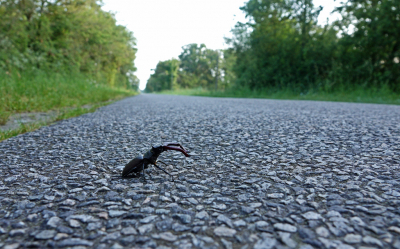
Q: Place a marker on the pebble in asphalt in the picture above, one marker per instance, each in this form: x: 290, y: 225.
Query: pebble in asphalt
x: 264, y: 174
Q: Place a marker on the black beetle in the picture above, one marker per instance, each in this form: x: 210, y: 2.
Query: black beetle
x: 140, y: 163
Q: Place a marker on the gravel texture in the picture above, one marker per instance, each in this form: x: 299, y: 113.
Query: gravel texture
x: 264, y: 174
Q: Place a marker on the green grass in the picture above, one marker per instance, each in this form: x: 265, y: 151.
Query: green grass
x: 39, y: 91
x: 358, y: 95
x: 61, y: 115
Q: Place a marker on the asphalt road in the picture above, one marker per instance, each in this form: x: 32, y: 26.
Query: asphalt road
x: 263, y: 174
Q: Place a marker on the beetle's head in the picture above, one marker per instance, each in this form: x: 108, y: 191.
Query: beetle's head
x: 157, y: 148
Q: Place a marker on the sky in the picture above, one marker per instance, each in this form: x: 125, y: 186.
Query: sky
x: 162, y: 27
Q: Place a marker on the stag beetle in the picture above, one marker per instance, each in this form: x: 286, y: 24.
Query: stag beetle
x: 140, y: 163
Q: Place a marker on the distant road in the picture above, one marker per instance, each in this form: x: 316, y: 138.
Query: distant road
x: 264, y: 173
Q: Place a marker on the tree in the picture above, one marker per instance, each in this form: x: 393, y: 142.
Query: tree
x: 283, y: 48
x: 66, y: 35
x: 371, y: 50
x: 165, y: 76
x: 280, y: 47
x: 198, y: 66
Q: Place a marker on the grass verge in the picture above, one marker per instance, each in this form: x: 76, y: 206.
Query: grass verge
x: 61, y: 115
x: 357, y: 95
x: 39, y: 91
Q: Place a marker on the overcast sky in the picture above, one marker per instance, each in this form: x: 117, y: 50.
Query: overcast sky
x: 162, y: 27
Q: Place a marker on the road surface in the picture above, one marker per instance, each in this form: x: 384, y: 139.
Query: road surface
x: 263, y: 174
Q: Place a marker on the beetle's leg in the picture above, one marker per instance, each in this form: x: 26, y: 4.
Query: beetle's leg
x: 149, y: 173
x: 158, y: 161
x: 164, y: 170
x: 143, y: 175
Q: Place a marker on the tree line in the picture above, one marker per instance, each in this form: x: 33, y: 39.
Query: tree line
x: 196, y: 67
x: 66, y: 36
x: 283, y: 47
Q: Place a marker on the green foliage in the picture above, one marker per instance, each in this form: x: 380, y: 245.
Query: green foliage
x: 227, y: 76
x: 370, y: 53
x: 36, y: 90
x: 197, y: 67
x: 164, y: 77
x: 282, y: 47
x: 285, y: 48
x: 358, y: 94
x: 66, y: 35
x: 60, y: 115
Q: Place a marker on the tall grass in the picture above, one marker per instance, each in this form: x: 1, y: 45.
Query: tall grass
x: 382, y: 95
x: 37, y: 90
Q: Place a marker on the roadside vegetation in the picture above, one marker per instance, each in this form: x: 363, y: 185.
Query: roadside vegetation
x: 61, y: 114
x: 60, y: 56
x: 281, y: 52
x: 360, y: 95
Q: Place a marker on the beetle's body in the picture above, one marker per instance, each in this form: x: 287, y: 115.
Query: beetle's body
x: 140, y: 163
